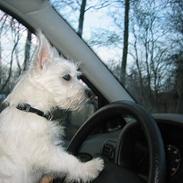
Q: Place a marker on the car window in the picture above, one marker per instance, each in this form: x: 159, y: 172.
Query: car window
x: 140, y: 41
x: 17, y: 47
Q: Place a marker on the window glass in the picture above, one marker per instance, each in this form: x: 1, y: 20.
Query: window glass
x: 140, y: 41
x: 17, y: 47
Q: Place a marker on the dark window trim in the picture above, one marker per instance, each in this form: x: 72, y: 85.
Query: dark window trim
x: 102, y: 101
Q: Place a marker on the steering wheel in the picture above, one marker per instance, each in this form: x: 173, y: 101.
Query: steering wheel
x: 113, y: 173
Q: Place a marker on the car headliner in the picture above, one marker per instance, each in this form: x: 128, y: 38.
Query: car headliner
x: 39, y: 14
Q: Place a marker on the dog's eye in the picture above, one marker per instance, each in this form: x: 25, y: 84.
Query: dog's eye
x: 67, y: 77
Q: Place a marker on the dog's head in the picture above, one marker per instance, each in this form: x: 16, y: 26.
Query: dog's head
x: 58, y: 76
x: 52, y: 81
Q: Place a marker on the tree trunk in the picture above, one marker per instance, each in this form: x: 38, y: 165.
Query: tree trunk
x: 3, y: 21
x: 125, y: 42
x: 27, y: 50
x: 81, y: 18
x: 138, y: 65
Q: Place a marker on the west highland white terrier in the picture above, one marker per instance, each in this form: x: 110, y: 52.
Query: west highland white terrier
x: 28, y: 139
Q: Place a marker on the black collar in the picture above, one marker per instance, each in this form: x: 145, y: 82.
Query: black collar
x: 28, y: 108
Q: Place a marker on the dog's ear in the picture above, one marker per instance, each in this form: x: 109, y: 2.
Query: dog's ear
x: 44, y: 52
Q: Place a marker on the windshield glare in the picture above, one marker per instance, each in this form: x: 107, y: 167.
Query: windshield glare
x: 140, y: 41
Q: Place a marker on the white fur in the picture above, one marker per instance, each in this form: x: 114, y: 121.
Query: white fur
x: 28, y: 142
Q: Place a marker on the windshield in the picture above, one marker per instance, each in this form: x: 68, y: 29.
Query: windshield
x: 140, y: 41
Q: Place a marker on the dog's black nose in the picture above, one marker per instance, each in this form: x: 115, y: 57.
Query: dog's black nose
x: 88, y: 93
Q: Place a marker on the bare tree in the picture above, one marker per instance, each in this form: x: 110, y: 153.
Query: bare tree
x: 27, y: 50
x: 15, y: 40
x: 176, y: 26
x: 81, y: 7
x: 12, y: 24
x: 135, y: 56
x: 179, y: 83
x: 125, y: 42
x: 3, y: 21
x: 81, y: 17
x: 149, y: 52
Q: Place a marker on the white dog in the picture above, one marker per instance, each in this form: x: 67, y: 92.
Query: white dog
x: 28, y: 140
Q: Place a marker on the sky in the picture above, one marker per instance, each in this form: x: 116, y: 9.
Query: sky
x: 95, y: 20
x: 101, y: 19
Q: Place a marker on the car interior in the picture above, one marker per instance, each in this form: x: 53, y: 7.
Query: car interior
x: 137, y: 146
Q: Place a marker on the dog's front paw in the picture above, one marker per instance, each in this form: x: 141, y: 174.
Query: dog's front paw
x: 87, y: 171
x: 91, y: 169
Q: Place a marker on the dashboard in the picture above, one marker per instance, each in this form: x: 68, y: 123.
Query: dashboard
x: 104, y: 141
